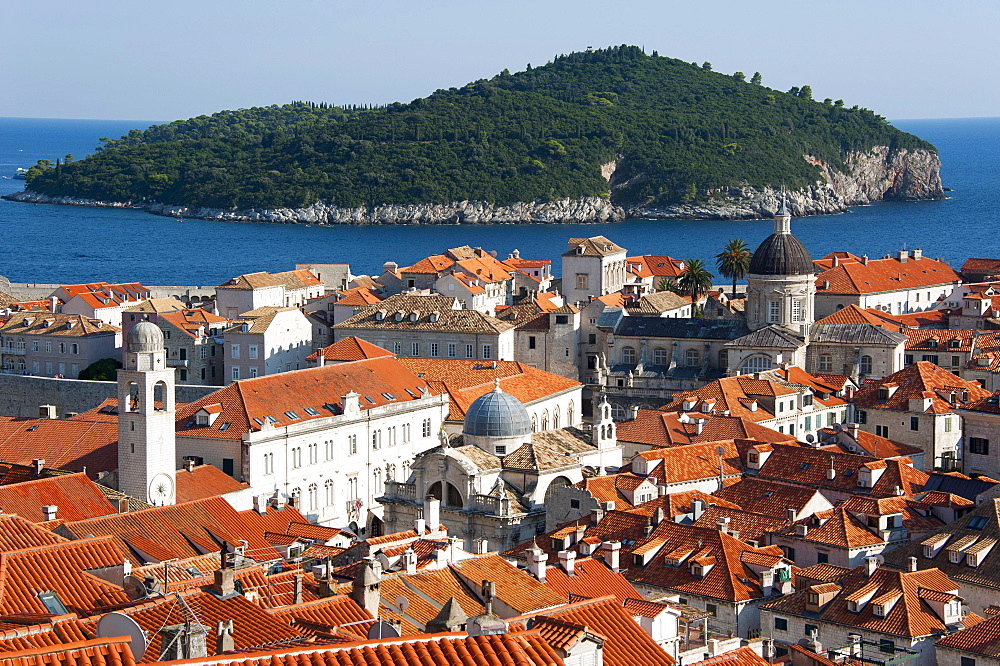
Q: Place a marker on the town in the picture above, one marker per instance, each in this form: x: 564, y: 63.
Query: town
x: 480, y: 459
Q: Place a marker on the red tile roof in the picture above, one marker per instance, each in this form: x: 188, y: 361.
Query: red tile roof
x: 592, y: 578
x: 17, y: 533
x: 76, y: 497
x: 325, y: 616
x: 514, y: 587
x: 921, y: 380
x: 190, y: 321
x: 880, y: 275
x: 262, y: 399
x: 657, y: 428
x: 852, y: 314
x: 204, y: 481
x: 98, y: 651
x: 743, y: 656
x: 350, y: 348
x: 981, y: 638
x: 64, y: 444
x: 767, y: 497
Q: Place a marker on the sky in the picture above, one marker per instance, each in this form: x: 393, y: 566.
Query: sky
x: 136, y: 60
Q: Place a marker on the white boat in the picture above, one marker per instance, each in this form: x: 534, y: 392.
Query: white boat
x: 20, y: 173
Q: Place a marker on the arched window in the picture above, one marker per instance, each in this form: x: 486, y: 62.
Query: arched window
x: 377, y: 479
x: 534, y: 423
x: 406, y: 470
x: 545, y: 419
x: 692, y: 357
x: 453, y: 499
x: 555, y: 418
x: 161, y: 397
x: 313, y: 497
x: 724, y: 358
x: 628, y: 355
x: 328, y: 491
x: 296, y: 497
x: 659, y: 356
x: 569, y: 414
x: 557, y: 483
x: 618, y: 411
x: 825, y: 363
x: 756, y: 364
x: 865, y: 367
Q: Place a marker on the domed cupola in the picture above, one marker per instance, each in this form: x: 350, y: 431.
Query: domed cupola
x: 145, y: 337
x: 781, y: 253
x: 496, y: 422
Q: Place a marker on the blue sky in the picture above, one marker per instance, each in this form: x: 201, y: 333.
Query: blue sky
x: 134, y: 59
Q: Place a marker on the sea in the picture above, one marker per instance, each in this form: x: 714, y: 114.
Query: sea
x: 72, y: 244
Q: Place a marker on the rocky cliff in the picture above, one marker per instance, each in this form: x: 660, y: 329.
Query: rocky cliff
x: 872, y: 176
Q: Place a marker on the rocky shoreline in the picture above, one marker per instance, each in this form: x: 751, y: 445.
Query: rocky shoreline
x: 873, y: 176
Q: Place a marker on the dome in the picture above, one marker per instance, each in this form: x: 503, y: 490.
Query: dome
x: 145, y: 337
x: 781, y: 254
x: 497, y: 414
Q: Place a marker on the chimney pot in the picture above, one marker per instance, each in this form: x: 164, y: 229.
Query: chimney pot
x: 39, y: 465
x: 567, y: 561
x: 50, y: 511
x: 790, y: 515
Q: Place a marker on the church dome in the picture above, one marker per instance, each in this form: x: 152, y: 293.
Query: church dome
x: 781, y: 253
x: 497, y: 414
x: 145, y: 337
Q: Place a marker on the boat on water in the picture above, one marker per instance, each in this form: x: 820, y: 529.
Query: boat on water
x: 20, y: 173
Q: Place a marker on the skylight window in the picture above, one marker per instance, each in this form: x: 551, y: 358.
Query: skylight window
x: 310, y: 411
x: 848, y: 472
x: 224, y: 427
x: 805, y: 467
x: 53, y: 603
x: 369, y: 399
x: 292, y: 415
x: 270, y: 418
x: 411, y: 393
x: 388, y: 396
x: 332, y: 408
x: 258, y: 421
x: 33, y: 428
x: 769, y: 494
x: 977, y: 523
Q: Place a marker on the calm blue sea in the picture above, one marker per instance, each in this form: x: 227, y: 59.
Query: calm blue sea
x: 74, y: 244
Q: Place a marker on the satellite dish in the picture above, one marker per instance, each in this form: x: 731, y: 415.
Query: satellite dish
x: 383, y: 630
x: 402, y: 603
x: 837, y: 427
x: 135, y: 588
x: 113, y: 625
x: 810, y: 438
x: 720, y: 450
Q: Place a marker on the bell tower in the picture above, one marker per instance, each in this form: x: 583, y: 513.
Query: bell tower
x: 146, y: 442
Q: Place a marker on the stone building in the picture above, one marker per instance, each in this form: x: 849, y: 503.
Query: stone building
x: 493, y: 480
x: 592, y: 267
x: 266, y: 341
x: 46, y: 344
x: 193, y: 344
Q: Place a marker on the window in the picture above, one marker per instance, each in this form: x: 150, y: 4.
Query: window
x: 234, y: 351
x: 426, y: 428
x: 774, y: 312
x: 865, y: 366
x: 831, y: 417
x: 796, y: 310
x: 352, y: 444
x: 562, y: 319
x: 933, y: 358
x: 313, y: 453
x: 48, y: 345
x: 313, y: 497
x: 862, y: 416
x: 268, y: 463
x: 487, y: 351
x: 377, y: 440
x: 659, y: 356
x: 825, y: 363
x: 809, y: 424
x: 780, y: 624
x: 756, y: 364
x: 822, y: 558
x: 692, y: 357
x: 882, y: 431
x: 713, y: 609
x: 955, y: 360
x: 253, y: 372
x: 252, y: 351
x: 582, y: 281
x: 236, y: 372
x: 886, y: 646
x: 914, y: 423
x: 451, y: 350
x: 434, y: 349
x: 789, y: 552
x: 296, y: 457
x: 52, y: 603
x: 628, y: 355
x: 968, y: 661
x: 810, y: 629
x: 328, y: 491
x: 183, y: 374
x: 979, y: 446
x: 75, y: 349
x: 470, y: 351
x: 531, y: 342
x: 34, y: 345
x: 414, y: 349
x: 397, y: 347
x: 227, y: 466
x: 592, y: 338
x: 947, y: 424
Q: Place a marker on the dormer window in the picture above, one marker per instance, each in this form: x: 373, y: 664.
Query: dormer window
x: 852, y: 606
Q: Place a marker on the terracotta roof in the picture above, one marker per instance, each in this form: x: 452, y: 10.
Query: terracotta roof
x: 179, y: 531
x: 191, y: 321
x: 75, y: 495
x: 350, y: 348
x: 748, y: 525
x: 953, y: 341
x: 595, y: 246
x: 56, y: 325
x: 65, y: 444
x: 658, y: 303
x: 656, y: 266
x: 909, y: 616
x: 325, y: 616
x: 204, y: 481
x: 158, y: 305
x: 981, y: 638
x: 852, y: 314
x: 434, y: 264
x: 17, y: 533
x: 691, y: 462
x: 767, y: 497
x: 514, y: 587
x: 249, y: 403
x: 258, y: 280
x: 880, y: 275
x: 104, y: 651
x: 837, y: 527
x: 625, y: 644
x: 921, y: 380
x: 656, y: 428
x: 510, y: 649
x: 465, y: 380
x: 429, y: 313
x: 742, y: 656
x: 592, y: 578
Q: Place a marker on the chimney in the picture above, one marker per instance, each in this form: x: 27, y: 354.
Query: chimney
x: 567, y: 561
x: 633, y: 412
x: 790, y: 515
x: 801, y: 529
x: 39, y: 465
x: 697, y: 508
x: 864, y: 259
x: 419, y: 524
x: 917, y: 254
x: 122, y: 505
x: 409, y: 560
x: 53, y: 304
x: 480, y: 546
x: 902, y: 255
x: 597, y: 515
x: 189, y: 464
x: 184, y: 641
x: 224, y: 585
x: 911, y: 564
x: 658, y: 515
x: 831, y: 473
x: 871, y: 564
x: 47, y: 411
x: 661, y: 489
x: 297, y: 589
x: 537, y: 560
x: 224, y: 636
x: 836, y: 261
x: 320, y: 359
x: 365, y: 590
x: 699, y: 426
x: 432, y: 513
x: 648, y: 528
x: 50, y: 511
x: 612, y: 554
x: 723, y: 523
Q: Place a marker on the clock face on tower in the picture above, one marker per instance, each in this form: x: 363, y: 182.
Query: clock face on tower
x: 161, y: 489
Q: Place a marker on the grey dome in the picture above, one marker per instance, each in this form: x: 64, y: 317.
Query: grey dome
x: 145, y: 337
x: 497, y: 414
x: 781, y: 254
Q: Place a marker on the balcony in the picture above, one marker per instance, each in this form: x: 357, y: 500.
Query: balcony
x: 397, y: 490
x: 177, y: 363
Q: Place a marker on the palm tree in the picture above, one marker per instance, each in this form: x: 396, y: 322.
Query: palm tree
x: 695, y: 280
x: 734, y: 261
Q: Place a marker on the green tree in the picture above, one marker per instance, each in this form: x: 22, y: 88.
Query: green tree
x: 105, y: 370
x: 694, y: 281
x: 666, y: 284
x: 68, y: 158
x: 707, y: 66
x: 739, y: 76
x: 756, y: 79
x: 806, y: 92
x: 734, y: 261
